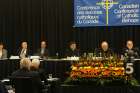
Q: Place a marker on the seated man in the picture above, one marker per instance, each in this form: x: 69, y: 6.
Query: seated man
x: 24, y: 72
x: 35, y: 67
x: 72, y: 50
x: 130, y: 50
x: 43, y: 51
x: 104, y: 51
x: 23, y: 51
x: 24, y: 68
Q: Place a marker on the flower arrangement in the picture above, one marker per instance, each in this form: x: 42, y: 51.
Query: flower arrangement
x: 97, y: 69
x: 100, y: 72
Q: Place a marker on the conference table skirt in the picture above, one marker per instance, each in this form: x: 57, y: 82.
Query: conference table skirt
x: 7, y: 67
x: 59, y: 69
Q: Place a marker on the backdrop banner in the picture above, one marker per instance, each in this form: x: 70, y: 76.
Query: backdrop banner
x: 106, y: 12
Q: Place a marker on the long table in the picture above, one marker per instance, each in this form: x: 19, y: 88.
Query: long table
x: 57, y: 67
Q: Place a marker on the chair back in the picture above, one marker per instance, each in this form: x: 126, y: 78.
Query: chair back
x: 25, y: 85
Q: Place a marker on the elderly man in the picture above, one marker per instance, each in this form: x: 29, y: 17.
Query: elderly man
x: 24, y: 72
x: 130, y: 50
x: 24, y: 68
x: 104, y: 51
x: 35, y: 66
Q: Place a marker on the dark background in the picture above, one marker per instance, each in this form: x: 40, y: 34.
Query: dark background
x: 52, y: 20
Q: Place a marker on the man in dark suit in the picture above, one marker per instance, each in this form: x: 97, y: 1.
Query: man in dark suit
x: 35, y: 66
x: 104, y: 51
x: 23, y: 51
x: 24, y: 68
x: 72, y: 50
x: 24, y: 72
x: 130, y: 50
x: 43, y: 51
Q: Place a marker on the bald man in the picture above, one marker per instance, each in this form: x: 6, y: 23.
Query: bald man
x: 104, y: 51
x: 130, y: 50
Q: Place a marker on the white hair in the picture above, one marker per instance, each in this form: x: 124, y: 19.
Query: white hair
x: 25, y: 63
x: 35, y: 63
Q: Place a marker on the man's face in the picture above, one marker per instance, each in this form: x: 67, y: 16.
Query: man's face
x: 1, y: 46
x: 24, y: 45
x: 129, y: 44
x: 43, y: 44
x: 104, y: 46
x: 73, y: 46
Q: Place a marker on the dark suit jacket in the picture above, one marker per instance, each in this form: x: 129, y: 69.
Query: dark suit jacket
x: 27, y: 53
x: 102, y: 53
x: 41, y: 72
x: 133, y: 52
x: 70, y: 53
x: 45, y: 55
x: 25, y: 73
x: 21, y: 73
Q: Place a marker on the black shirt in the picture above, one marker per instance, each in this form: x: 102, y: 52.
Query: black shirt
x: 134, y: 52
x: 70, y: 53
x: 101, y: 53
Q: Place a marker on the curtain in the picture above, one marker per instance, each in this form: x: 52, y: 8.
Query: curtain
x: 52, y: 20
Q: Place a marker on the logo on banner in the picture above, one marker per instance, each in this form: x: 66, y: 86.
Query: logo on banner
x: 107, y: 4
